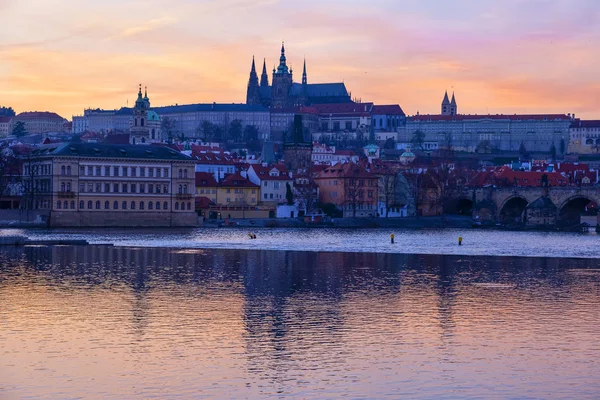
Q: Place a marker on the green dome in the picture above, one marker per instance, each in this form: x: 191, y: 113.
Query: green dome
x: 152, y: 116
x: 408, y: 154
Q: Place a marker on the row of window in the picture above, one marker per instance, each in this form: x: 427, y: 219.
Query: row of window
x: 100, y: 187
x: 151, y: 172
x: 115, y: 205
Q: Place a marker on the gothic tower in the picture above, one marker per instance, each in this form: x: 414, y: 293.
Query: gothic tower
x: 282, y: 82
x: 453, y: 106
x: 264, y: 78
x: 140, y: 132
x: 253, y: 93
x: 304, y: 78
x: 446, y: 105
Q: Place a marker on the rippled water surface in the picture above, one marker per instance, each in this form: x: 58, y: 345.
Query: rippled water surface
x: 475, y: 242
x: 126, y: 323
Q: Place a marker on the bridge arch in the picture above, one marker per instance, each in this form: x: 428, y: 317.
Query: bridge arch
x: 571, y: 210
x: 460, y: 206
x: 512, y: 211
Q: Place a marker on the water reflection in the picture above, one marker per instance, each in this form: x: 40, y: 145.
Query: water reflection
x: 120, y: 322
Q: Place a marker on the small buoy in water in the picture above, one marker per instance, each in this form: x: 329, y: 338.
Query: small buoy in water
x: 392, y: 238
x: 460, y: 241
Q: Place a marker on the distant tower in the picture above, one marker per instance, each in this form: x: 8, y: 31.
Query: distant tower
x: 253, y: 92
x: 140, y: 131
x: 446, y: 105
x: 304, y: 78
x: 453, y: 106
x: 282, y: 82
x: 264, y: 78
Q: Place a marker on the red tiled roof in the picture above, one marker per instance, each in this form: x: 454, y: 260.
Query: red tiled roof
x: 5, y: 119
x: 38, y: 115
x: 585, y: 124
x: 348, y: 170
x: 263, y: 172
x: 515, y: 117
x: 504, y: 176
x: 204, y: 202
x: 209, y: 158
x: 205, y: 179
x: 237, y: 180
x: 390, y: 109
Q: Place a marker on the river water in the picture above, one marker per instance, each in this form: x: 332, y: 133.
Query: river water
x: 426, y: 241
x: 136, y: 321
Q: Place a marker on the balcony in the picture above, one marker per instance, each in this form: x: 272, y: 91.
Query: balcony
x: 66, y: 195
x: 183, y: 196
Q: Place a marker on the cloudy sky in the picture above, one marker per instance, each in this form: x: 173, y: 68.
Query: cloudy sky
x: 500, y: 56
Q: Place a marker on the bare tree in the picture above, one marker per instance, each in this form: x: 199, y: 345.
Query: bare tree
x: 354, y: 193
x: 32, y: 184
x: 387, y: 188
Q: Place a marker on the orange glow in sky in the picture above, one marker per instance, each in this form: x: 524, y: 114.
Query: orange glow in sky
x: 510, y: 56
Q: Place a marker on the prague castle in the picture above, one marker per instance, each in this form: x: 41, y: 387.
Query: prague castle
x: 284, y: 92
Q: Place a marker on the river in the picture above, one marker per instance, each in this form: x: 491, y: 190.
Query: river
x: 156, y: 316
x: 425, y: 241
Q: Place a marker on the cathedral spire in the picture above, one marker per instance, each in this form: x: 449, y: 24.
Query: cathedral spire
x: 282, y: 68
x: 252, y: 95
x: 264, y: 78
x: 304, y: 78
x: 446, y: 100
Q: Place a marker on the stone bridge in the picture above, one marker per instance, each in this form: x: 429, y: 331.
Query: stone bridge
x: 532, y: 205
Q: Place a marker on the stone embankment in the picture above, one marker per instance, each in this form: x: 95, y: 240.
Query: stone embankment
x: 17, y: 240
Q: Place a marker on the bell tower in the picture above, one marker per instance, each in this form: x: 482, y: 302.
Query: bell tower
x: 282, y: 82
x: 140, y: 132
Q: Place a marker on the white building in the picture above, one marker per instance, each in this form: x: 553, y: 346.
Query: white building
x: 273, y: 181
x: 584, y: 137
x: 187, y: 118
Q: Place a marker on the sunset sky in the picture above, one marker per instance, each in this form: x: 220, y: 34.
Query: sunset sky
x: 500, y: 56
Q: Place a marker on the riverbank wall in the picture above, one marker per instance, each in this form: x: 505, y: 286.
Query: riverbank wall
x: 348, y: 223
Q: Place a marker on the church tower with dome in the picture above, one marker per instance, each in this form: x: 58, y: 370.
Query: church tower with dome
x: 145, y: 126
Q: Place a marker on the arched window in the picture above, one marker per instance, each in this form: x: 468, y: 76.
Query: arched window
x: 72, y: 204
x: 107, y: 205
x: 68, y: 170
x: 141, y: 205
x: 181, y: 173
x: 189, y: 206
x: 81, y: 205
x: 165, y: 206
x: 180, y: 189
x: 176, y: 206
x: 133, y: 205
x: 143, y: 140
x: 150, y: 205
x: 153, y: 135
x: 68, y: 186
x: 62, y: 187
x: 185, y: 173
x: 133, y: 141
x: 116, y: 205
x: 135, y: 122
x: 97, y: 204
x: 63, y: 170
x: 158, y: 205
x: 124, y: 205
x: 142, y: 122
x: 185, y: 189
x: 90, y: 205
x: 58, y: 204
